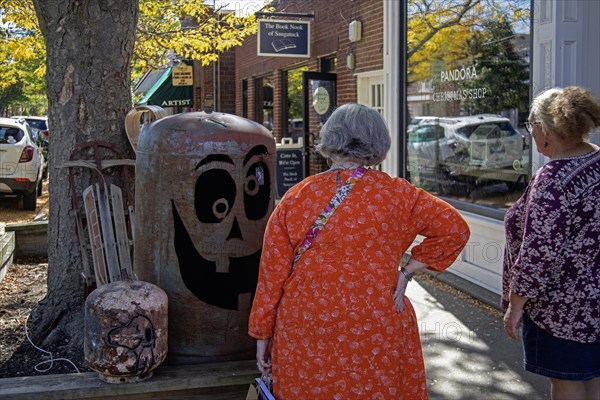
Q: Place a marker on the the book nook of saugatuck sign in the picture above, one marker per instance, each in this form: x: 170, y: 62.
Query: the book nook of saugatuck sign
x: 279, y: 38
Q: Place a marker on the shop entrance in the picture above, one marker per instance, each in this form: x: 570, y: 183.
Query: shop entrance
x: 319, y: 101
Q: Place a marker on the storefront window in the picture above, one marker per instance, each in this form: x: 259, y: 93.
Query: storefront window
x: 467, y: 98
x: 295, y: 124
x: 264, y: 101
x: 328, y: 64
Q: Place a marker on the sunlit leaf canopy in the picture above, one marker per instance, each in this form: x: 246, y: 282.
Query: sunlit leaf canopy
x: 168, y: 30
x: 22, y: 48
x: 441, y: 30
x: 187, y: 28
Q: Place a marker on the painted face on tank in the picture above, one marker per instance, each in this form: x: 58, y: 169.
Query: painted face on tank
x: 219, y: 230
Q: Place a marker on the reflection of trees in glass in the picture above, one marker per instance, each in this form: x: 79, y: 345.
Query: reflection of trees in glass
x: 438, y: 30
x: 459, y: 49
x: 294, y: 91
x: 502, y: 71
x: 266, y: 102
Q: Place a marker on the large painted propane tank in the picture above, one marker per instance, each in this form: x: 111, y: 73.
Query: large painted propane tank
x: 204, y: 192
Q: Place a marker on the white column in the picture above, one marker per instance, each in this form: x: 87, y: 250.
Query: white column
x: 391, y: 79
x: 566, y: 48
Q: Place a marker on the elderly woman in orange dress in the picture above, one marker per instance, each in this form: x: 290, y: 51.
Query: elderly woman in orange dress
x: 337, y: 324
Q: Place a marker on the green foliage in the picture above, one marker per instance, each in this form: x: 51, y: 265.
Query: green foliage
x: 502, y: 70
x: 167, y: 30
x: 22, y: 60
x: 295, y: 92
x: 188, y: 29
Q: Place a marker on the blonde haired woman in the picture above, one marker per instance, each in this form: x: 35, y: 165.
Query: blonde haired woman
x: 551, y: 274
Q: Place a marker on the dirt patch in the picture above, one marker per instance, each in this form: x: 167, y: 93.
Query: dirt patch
x: 22, y: 288
x: 11, y: 208
x: 24, y: 285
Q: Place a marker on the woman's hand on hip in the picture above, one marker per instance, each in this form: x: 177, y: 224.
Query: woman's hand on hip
x: 404, y: 275
x: 263, y: 355
x: 399, y: 292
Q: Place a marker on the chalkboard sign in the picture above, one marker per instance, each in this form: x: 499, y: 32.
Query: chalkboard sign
x: 289, y: 169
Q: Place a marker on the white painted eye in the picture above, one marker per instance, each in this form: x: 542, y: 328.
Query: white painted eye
x: 220, y: 208
x: 251, y: 185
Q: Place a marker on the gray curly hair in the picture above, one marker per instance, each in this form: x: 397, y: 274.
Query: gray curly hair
x: 355, y: 132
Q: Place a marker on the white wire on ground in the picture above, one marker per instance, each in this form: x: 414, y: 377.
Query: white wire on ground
x: 51, y: 360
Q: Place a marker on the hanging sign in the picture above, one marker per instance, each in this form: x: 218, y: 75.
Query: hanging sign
x: 279, y: 38
x: 182, y: 75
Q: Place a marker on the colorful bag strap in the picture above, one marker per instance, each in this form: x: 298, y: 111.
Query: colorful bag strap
x: 327, y: 212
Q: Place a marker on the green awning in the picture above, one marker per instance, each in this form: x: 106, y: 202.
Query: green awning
x: 164, y: 94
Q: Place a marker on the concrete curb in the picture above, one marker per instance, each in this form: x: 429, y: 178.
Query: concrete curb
x: 477, y: 292
x: 31, y: 239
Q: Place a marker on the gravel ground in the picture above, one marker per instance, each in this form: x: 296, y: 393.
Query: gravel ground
x: 22, y: 288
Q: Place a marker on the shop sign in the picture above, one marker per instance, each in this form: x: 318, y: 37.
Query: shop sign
x: 289, y: 169
x: 279, y: 38
x: 182, y: 75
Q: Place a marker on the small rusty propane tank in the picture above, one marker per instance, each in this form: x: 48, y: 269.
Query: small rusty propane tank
x: 204, y: 192
x: 126, y: 330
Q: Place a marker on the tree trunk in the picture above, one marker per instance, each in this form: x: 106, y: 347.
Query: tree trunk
x: 89, y: 46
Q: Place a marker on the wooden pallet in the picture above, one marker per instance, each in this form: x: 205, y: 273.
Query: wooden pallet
x: 215, y: 381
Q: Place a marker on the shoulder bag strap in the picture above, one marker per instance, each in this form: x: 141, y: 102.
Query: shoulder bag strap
x: 327, y: 212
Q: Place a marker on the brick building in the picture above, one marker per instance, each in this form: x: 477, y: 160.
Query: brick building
x: 267, y: 86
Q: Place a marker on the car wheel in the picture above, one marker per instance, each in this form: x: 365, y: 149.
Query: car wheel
x: 39, y: 188
x: 30, y: 200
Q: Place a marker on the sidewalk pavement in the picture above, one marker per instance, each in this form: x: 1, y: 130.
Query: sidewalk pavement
x: 467, y: 354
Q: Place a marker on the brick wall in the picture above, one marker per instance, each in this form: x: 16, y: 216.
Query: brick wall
x: 215, y: 84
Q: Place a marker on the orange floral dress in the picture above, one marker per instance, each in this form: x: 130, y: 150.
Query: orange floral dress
x: 336, y: 333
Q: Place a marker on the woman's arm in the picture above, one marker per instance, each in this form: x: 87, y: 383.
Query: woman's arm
x: 546, y: 230
x: 263, y: 355
x: 514, y: 313
x: 445, y: 230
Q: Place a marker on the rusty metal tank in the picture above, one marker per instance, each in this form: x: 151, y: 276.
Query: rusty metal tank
x: 204, y: 192
x: 126, y: 330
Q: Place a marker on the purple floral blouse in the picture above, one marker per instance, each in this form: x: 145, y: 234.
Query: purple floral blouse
x: 552, y: 252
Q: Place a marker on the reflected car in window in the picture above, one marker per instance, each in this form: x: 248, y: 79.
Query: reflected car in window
x: 478, y: 146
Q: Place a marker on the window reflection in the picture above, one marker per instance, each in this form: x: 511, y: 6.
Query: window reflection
x: 295, y: 123
x: 264, y: 101
x: 468, y: 97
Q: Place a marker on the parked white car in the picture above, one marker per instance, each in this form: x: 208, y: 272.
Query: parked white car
x: 41, y: 134
x: 21, y: 162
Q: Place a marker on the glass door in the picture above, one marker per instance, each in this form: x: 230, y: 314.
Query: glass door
x: 319, y: 101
